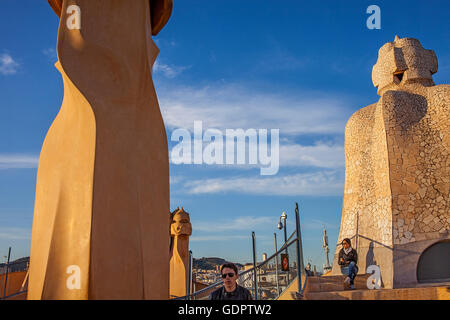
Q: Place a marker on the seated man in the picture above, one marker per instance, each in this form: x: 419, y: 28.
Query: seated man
x: 347, y: 260
x: 230, y: 290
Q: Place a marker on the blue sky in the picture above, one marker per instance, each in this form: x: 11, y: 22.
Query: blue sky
x: 301, y: 67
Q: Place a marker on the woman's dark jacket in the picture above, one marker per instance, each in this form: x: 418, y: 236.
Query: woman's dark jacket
x: 351, y: 256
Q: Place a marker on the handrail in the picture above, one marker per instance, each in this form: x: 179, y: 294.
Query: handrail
x: 217, y: 283
x: 288, y: 243
x: 12, y: 265
x: 302, y: 290
x: 14, y: 295
x: 298, y: 295
x: 354, y: 236
x: 302, y: 271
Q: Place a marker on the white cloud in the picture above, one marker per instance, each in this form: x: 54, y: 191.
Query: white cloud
x: 7, y: 64
x: 278, y: 58
x: 320, y: 155
x: 175, y: 179
x: 165, y: 43
x: 322, y: 183
x: 168, y: 71
x: 50, y: 53
x: 15, y: 233
x: 233, y: 106
x: 316, y: 224
x: 239, y: 223
x: 17, y: 161
x: 216, y: 238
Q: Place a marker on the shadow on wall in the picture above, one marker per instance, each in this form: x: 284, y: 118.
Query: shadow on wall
x: 370, y: 260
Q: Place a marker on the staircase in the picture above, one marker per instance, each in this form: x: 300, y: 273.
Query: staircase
x: 324, y: 288
x: 333, y: 288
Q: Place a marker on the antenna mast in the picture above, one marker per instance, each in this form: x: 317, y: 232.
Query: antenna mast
x: 327, y: 266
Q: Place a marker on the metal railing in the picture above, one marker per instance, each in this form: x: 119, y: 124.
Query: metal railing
x: 272, y: 281
x: 14, y: 295
x: 6, y: 269
x: 267, y: 280
x: 272, y: 278
x: 15, y: 266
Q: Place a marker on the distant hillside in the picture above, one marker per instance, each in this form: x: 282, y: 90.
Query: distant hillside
x: 202, y: 263
x: 211, y: 263
x: 14, y: 266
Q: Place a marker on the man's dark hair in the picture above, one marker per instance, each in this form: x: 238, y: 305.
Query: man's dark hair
x: 229, y: 265
x: 348, y: 241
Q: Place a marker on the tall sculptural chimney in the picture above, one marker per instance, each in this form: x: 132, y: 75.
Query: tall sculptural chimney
x: 180, y: 230
x: 327, y: 266
x: 102, y: 191
x: 396, y: 196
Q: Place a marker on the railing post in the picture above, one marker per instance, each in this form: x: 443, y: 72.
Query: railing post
x: 285, y: 243
x: 189, y: 279
x: 255, y: 285
x: 276, y: 264
x: 300, y: 266
x: 6, y: 275
x: 357, y: 233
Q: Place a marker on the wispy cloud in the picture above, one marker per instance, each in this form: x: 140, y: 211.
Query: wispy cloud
x: 235, y: 106
x: 217, y: 238
x: 50, y: 53
x: 320, y: 155
x: 8, y: 65
x: 279, y: 58
x: 175, y: 179
x: 15, y: 233
x: 169, y: 71
x: 237, y: 224
x: 322, y: 183
x: 18, y: 161
x: 165, y: 43
x: 316, y: 224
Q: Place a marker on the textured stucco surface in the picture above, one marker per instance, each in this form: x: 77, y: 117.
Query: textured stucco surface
x: 397, y: 164
x: 180, y: 231
x: 102, y: 189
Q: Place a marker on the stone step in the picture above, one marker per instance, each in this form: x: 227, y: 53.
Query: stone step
x: 334, y: 283
x: 332, y: 286
x: 359, y: 277
x: 321, y: 287
x: 424, y: 293
x: 335, y: 278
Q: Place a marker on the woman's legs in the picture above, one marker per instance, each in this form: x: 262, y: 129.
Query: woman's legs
x: 352, y: 271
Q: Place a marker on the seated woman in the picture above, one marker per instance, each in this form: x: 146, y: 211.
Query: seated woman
x: 347, y: 260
